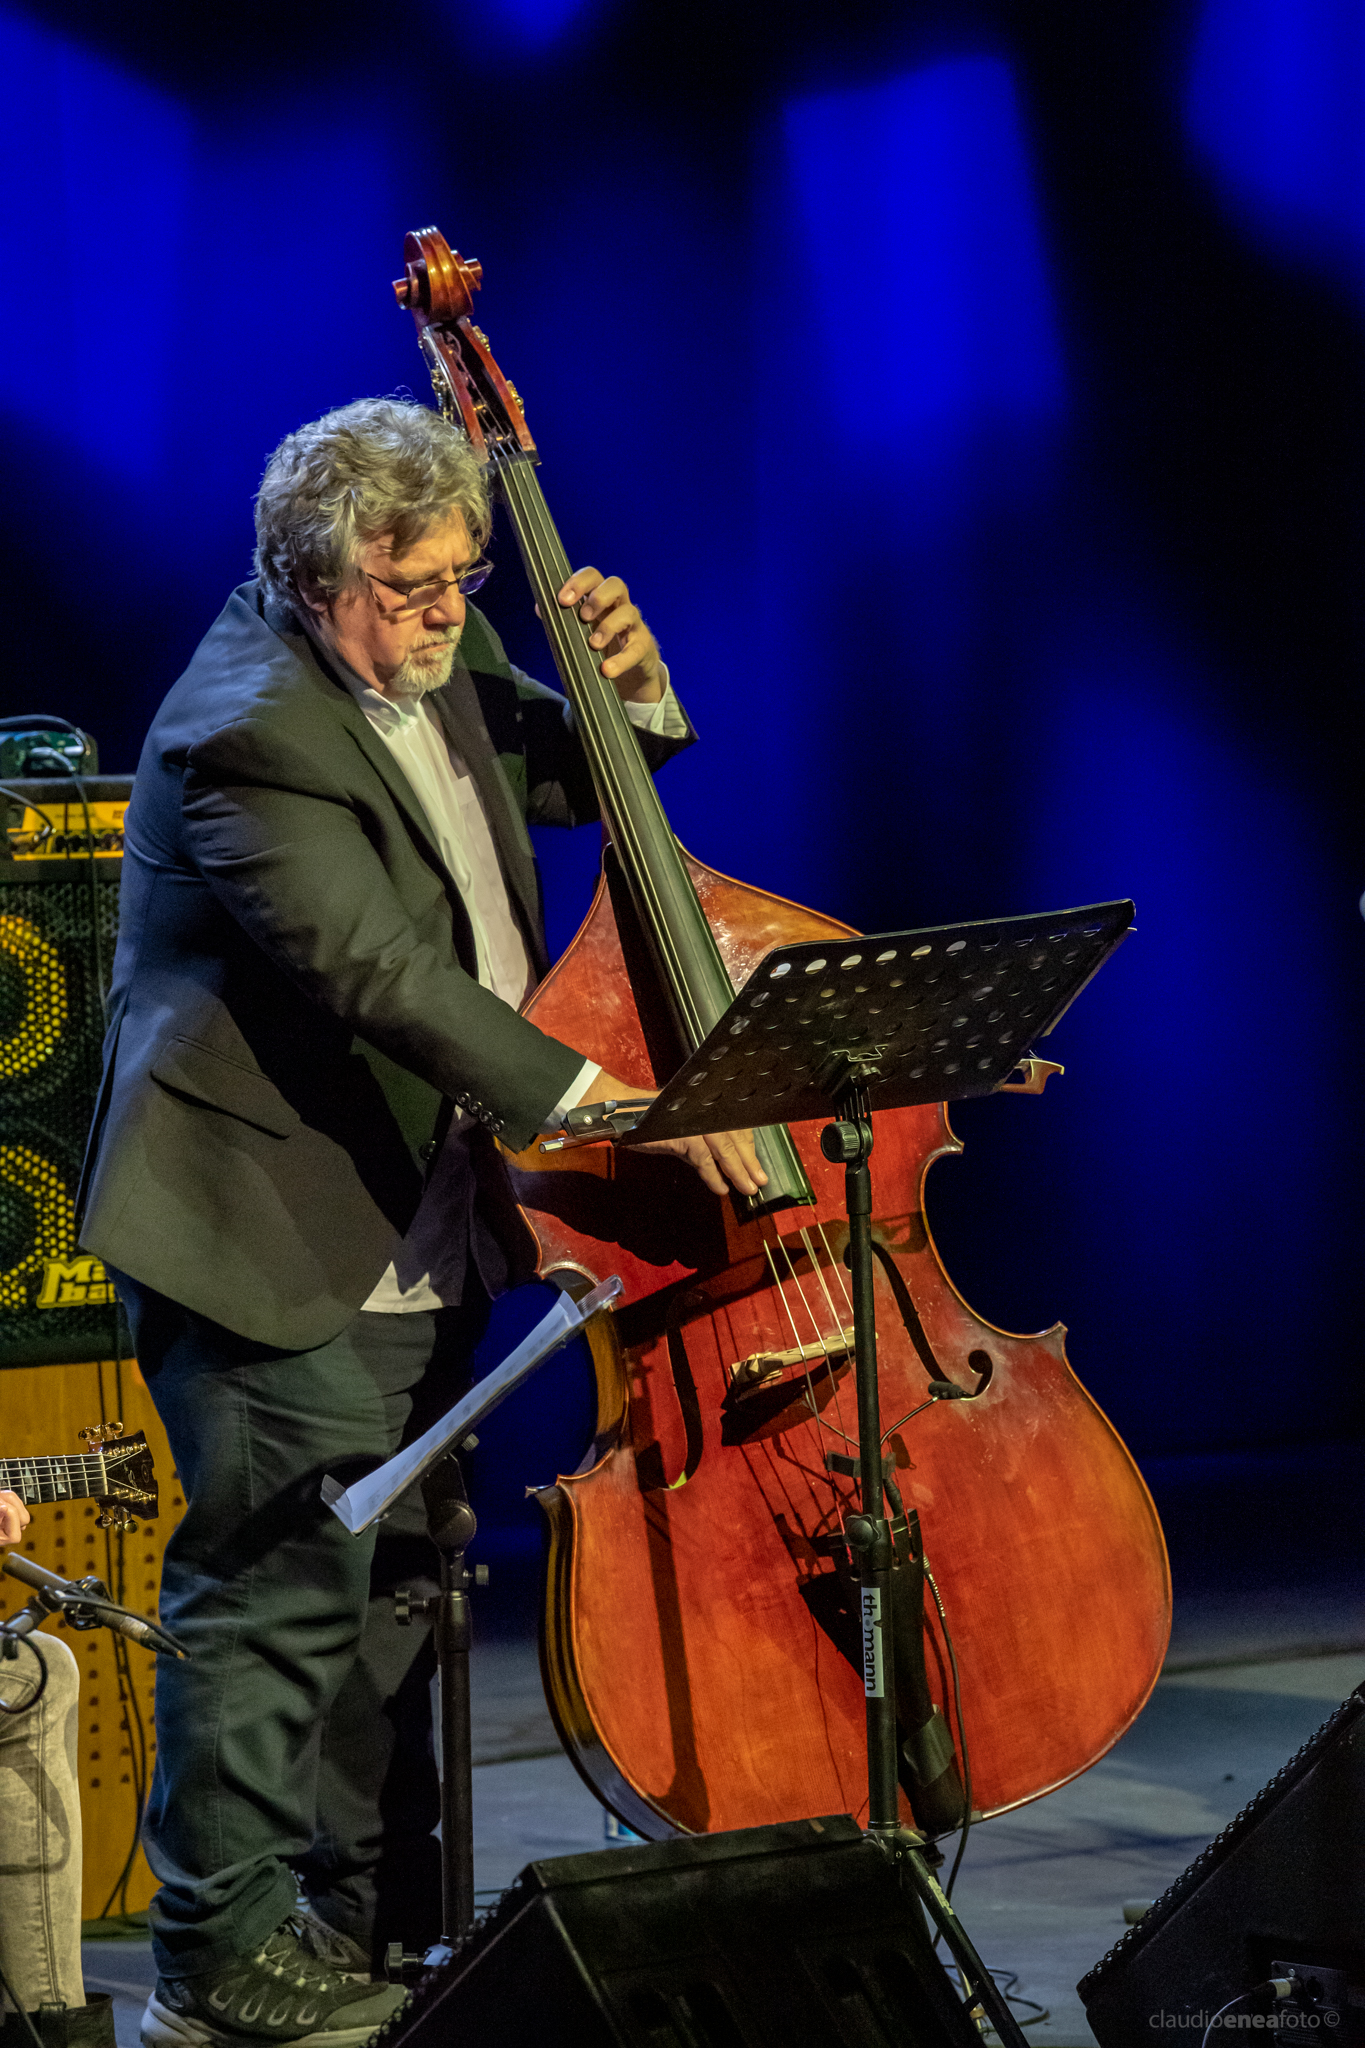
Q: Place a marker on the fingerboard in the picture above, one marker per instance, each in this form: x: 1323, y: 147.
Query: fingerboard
x: 83, y: 1476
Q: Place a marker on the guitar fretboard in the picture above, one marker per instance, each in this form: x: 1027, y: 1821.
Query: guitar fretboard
x: 38, y: 1480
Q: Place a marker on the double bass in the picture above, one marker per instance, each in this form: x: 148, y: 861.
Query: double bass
x: 700, y: 1640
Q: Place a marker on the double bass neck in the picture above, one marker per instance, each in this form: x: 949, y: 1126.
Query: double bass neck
x: 474, y: 395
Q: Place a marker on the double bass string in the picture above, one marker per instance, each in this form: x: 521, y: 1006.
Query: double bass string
x: 836, y: 1268
x: 820, y: 1338
x: 694, y: 973
x: 545, y: 554
x: 818, y: 1271
x: 820, y: 1422
x: 840, y: 1327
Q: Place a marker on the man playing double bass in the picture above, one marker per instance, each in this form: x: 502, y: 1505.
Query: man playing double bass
x: 330, y: 914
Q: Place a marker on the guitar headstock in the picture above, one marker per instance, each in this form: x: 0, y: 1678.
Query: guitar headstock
x: 129, y: 1476
x: 438, y: 287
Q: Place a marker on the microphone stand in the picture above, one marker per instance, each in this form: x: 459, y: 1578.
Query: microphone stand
x: 84, y: 1602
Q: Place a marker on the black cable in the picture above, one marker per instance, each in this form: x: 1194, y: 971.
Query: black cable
x: 1003, y: 1981
x: 123, y: 1665
x: 932, y: 1583
x: 132, y: 1717
x: 96, y: 936
x: 1226, y: 2008
x: 909, y: 1416
x: 120, y: 1886
x: 25, y: 1643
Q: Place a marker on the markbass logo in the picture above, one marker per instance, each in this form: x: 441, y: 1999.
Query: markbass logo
x: 74, y: 1283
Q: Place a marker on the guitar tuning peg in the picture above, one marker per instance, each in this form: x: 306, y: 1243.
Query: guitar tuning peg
x: 101, y: 1432
x: 117, y: 1518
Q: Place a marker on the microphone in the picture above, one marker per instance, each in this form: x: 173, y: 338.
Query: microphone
x: 86, y: 1604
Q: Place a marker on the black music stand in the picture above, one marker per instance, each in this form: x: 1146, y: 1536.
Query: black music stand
x: 431, y: 1462
x: 856, y: 1026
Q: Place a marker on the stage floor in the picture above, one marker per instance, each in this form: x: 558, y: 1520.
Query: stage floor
x: 1041, y: 1890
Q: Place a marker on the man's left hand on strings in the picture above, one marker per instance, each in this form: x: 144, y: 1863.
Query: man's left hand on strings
x: 629, y: 650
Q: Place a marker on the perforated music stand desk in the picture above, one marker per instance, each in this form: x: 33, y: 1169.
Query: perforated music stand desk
x: 848, y: 1027
x: 933, y: 1016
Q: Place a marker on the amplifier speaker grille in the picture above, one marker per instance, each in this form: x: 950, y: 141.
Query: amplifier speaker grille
x: 58, y: 924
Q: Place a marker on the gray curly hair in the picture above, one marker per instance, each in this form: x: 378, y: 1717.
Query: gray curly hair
x: 381, y: 465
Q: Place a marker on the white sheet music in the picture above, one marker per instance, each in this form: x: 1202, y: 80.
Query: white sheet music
x: 362, y: 1502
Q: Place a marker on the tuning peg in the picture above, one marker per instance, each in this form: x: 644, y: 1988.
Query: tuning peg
x: 116, y: 1518
x: 101, y: 1432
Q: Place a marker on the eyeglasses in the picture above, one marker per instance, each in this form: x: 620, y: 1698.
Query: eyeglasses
x: 419, y: 597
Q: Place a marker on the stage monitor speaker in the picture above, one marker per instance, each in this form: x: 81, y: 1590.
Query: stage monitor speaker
x: 1283, y: 1883
x: 59, y: 882
x: 764, y: 1938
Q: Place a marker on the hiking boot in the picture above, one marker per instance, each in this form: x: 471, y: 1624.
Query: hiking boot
x: 343, y: 1956
x: 279, y: 1993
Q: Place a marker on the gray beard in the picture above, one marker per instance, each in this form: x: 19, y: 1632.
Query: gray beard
x: 414, y: 682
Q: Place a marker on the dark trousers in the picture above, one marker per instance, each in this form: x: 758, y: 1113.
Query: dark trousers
x: 295, y: 1744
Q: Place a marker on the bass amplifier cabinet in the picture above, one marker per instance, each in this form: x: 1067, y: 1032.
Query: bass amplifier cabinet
x: 1283, y: 1883
x: 775, y: 1936
x: 60, y: 865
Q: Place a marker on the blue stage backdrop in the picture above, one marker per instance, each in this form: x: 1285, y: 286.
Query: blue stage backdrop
x: 973, y: 402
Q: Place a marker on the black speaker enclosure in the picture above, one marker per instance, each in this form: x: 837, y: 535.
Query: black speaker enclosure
x: 762, y: 1938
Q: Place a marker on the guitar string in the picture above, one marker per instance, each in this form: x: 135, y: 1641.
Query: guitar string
x: 544, y: 552
x: 44, y: 1479
x: 52, y: 1464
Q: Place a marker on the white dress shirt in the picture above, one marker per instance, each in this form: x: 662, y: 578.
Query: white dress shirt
x: 428, y: 1269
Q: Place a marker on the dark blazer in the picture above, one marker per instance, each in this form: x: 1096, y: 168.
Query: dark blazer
x: 295, y: 1007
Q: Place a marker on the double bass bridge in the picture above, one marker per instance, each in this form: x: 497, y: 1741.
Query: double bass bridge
x: 751, y: 1372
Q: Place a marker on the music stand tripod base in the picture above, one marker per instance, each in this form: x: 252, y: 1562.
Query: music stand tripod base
x: 851, y: 1027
